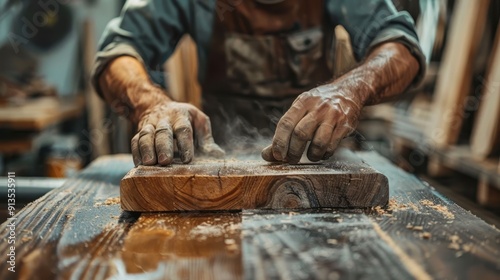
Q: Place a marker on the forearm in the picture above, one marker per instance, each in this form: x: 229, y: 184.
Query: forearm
x: 127, y: 88
x: 386, y: 73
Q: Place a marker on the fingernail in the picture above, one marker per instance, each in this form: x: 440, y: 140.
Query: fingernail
x: 162, y: 157
x: 147, y: 158
x: 186, y: 157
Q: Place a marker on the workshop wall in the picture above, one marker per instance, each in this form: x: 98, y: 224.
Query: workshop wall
x: 59, y: 66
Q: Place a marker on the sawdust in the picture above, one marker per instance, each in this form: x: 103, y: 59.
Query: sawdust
x: 455, y: 242
x: 108, y: 201
x: 438, y: 207
x: 395, y: 206
x: 426, y: 235
x: 205, y: 230
x: 229, y: 241
x: 415, y: 228
x: 112, y: 201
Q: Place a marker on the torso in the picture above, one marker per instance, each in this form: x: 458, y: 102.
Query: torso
x: 264, y: 55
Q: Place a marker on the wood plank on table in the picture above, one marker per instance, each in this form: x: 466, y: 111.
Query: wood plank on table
x: 485, y: 138
x: 79, y: 232
x: 16, y: 146
x: 233, y: 184
x: 37, y: 114
x: 455, y: 74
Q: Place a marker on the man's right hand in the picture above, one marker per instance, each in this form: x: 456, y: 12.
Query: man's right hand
x: 125, y: 82
x: 162, y: 123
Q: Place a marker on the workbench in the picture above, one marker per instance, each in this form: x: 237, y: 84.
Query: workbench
x: 79, y: 231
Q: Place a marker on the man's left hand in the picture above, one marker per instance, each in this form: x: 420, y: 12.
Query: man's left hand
x: 324, y: 116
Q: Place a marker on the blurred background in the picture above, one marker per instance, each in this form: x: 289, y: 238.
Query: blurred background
x: 446, y: 131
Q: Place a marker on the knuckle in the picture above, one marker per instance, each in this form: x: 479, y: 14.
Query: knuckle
x: 145, y: 144
x: 325, y: 105
x: 134, y: 140
x: 279, y: 143
x: 300, y: 134
x: 163, y: 131
x: 205, y: 119
x: 287, y: 124
x: 148, y: 129
x: 319, y: 145
x: 183, y: 128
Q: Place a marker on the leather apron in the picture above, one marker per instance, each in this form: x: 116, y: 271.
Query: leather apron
x: 262, y: 56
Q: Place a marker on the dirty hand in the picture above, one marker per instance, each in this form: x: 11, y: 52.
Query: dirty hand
x: 158, y: 126
x: 323, y: 115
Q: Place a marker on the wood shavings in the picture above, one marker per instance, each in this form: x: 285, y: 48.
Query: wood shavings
x: 438, y: 207
x: 232, y: 247
x: 379, y: 210
x: 454, y: 246
x: 205, y: 229
x: 112, y: 201
x: 332, y: 241
x: 395, y: 206
x: 415, y: 228
x: 26, y: 238
x: 455, y: 242
x: 426, y: 235
x: 229, y: 241
x: 108, y: 201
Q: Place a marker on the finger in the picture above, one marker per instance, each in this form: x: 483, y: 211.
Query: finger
x: 320, y: 142
x: 203, y: 134
x: 267, y: 154
x: 284, y: 130
x: 134, y: 145
x: 338, y: 134
x: 146, y: 145
x: 184, y: 134
x: 331, y: 149
x: 164, y: 143
x: 303, y: 132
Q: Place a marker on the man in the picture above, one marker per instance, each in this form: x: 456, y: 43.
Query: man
x: 256, y: 58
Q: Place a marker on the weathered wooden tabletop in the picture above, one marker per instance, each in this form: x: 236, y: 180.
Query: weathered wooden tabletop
x: 79, y: 231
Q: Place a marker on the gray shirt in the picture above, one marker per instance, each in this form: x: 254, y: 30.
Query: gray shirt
x: 149, y: 30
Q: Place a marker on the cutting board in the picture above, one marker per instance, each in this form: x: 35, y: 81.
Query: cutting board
x: 344, y: 181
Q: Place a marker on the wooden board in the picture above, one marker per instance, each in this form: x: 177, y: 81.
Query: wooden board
x: 79, y: 232
x: 39, y: 113
x: 18, y: 146
x: 455, y: 75
x: 486, y: 132
x: 343, y: 181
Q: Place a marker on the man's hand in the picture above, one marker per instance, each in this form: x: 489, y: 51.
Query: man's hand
x: 126, y: 86
x: 324, y: 116
x: 327, y: 114
x: 154, y: 143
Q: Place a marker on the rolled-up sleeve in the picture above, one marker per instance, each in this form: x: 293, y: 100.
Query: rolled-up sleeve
x: 148, y: 30
x: 370, y: 23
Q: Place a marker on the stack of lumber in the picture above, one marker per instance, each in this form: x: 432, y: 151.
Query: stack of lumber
x: 457, y: 126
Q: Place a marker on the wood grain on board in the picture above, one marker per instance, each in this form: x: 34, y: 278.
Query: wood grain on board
x: 232, y: 184
x: 78, y: 231
x: 486, y: 132
x: 455, y: 75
